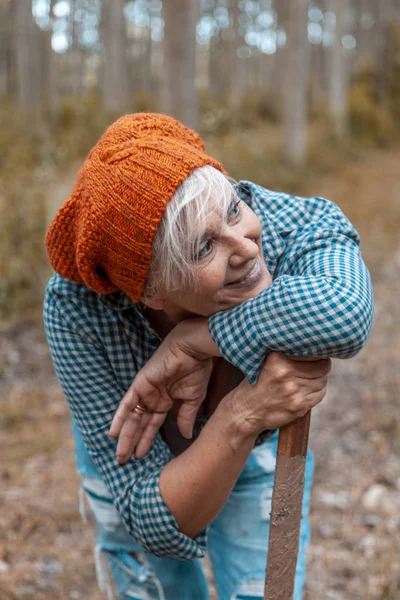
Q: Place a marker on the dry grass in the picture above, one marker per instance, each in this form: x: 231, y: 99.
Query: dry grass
x: 42, y: 541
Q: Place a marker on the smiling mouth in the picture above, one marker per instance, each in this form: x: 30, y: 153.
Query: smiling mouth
x: 252, y: 276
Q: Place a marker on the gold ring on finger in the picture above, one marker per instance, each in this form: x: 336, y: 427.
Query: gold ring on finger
x: 140, y: 410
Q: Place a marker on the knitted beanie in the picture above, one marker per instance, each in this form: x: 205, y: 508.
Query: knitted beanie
x: 102, y: 235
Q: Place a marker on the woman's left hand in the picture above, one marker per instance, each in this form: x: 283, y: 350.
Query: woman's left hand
x: 180, y: 369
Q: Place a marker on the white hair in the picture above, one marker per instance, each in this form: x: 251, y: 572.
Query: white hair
x: 179, y: 235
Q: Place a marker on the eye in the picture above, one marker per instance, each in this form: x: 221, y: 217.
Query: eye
x: 205, y: 250
x: 234, y: 210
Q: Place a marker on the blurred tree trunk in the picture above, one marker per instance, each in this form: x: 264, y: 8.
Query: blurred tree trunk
x: 214, y: 82
x: 179, y: 86
x: 296, y: 77
x: 3, y: 68
x: 363, y: 50
x: 383, y: 37
x: 279, y: 57
x: 217, y: 68
x: 267, y: 62
x: 139, y: 53
x: 368, y: 30
x: 337, y: 68
x: 5, y: 49
x: 76, y: 56
x: 238, y: 65
x: 318, y: 83
x: 115, y: 90
x: 146, y: 62
x: 157, y: 70
x: 49, y: 99
x: 77, y: 71
x: 221, y: 68
x: 253, y: 72
x: 26, y: 49
x: 266, y: 74
x: 51, y: 76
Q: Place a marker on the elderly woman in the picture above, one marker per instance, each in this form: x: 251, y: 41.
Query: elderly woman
x: 171, y: 285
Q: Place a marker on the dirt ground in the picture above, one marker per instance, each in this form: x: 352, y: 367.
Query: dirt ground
x: 46, y: 551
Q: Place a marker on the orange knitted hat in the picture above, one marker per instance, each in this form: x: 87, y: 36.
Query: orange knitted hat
x: 102, y: 236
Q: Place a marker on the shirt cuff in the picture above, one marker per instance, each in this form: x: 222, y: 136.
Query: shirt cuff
x: 159, y: 533
x: 235, y: 333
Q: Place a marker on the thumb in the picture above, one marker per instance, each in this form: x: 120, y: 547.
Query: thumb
x: 186, y: 418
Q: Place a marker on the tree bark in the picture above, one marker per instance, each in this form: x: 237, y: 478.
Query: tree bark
x: 280, y: 56
x: 3, y: 70
x: 383, y: 35
x: 115, y: 89
x: 179, y: 84
x: 337, y: 68
x: 76, y: 56
x: 217, y: 68
x: 238, y: 65
x: 26, y: 49
x: 318, y: 87
x: 296, y: 77
x: 5, y: 49
x: 146, y: 60
x: 318, y: 69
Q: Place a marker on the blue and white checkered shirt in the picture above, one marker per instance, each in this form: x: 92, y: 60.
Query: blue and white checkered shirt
x: 320, y: 304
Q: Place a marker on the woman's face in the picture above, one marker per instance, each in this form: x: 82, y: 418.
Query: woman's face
x: 230, y: 267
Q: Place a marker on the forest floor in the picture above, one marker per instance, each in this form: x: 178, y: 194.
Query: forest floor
x: 46, y: 551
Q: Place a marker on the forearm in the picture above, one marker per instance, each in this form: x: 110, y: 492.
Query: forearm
x: 298, y: 316
x: 196, y: 484
x: 321, y: 300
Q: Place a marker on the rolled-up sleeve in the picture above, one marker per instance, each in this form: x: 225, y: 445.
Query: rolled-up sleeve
x: 320, y: 303
x: 93, y: 394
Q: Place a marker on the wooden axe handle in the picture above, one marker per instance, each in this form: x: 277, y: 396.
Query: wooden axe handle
x: 286, y: 506
x: 293, y: 438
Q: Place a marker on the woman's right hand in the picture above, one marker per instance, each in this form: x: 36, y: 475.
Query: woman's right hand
x: 179, y: 370
x: 286, y: 389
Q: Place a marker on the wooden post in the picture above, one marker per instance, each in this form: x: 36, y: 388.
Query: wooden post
x: 287, y: 500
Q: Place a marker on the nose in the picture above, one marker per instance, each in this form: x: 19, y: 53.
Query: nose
x: 244, y: 249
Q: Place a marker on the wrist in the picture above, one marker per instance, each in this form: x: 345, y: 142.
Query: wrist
x: 241, y: 427
x: 193, y: 337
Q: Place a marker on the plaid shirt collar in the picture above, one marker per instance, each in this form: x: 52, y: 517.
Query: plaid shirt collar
x: 118, y: 301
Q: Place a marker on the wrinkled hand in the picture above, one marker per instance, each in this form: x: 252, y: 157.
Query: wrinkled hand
x: 180, y: 369
x: 286, y: 389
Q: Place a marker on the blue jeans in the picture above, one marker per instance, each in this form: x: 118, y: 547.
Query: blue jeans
x: 237, y: 539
